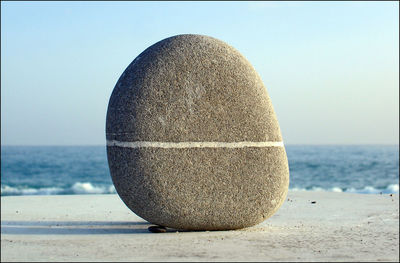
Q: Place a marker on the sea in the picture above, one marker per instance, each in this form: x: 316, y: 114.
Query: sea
x: 69, y: 170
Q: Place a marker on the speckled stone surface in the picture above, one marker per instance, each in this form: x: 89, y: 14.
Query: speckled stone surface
x: 194, y: 88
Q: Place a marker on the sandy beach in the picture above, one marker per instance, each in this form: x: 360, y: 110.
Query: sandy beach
x: 310, y: 226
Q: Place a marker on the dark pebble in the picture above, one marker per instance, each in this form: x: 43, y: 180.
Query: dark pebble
x: 313, y: 202
x: 157, y: 229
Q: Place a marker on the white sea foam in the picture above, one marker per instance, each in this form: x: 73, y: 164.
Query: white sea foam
x: 111, y: 189
x: 89, y: 188
x: 77, y: 188
x: 337, y: 189
x: 394, y: 188
x: 7, y: 190
x: 391, y: 189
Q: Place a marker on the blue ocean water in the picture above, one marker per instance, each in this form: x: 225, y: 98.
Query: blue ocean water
x: 37, y: 170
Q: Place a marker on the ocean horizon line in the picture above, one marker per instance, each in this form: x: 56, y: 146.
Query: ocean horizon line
x: 286, y: 144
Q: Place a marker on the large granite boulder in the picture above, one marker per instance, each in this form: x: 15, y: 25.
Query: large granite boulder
x: 192, y: 138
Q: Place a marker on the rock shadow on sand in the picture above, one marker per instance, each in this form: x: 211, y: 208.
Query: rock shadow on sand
x: 73, y: 227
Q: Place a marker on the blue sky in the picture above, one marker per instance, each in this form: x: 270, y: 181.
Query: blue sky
x: 331, y: 68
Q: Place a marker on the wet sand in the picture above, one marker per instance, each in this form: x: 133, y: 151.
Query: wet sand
x: 310, y: 226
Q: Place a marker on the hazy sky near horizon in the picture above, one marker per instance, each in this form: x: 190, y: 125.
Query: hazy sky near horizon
x: 330, y: 68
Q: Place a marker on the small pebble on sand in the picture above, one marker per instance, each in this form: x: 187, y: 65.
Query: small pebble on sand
x: 157, y: 229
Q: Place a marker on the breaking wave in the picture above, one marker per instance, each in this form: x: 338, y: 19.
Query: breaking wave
x: 390, y: 189
x: 89, y: 188
x: 76, y: 188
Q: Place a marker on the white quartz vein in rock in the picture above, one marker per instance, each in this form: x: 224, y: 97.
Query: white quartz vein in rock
x: 146, y: 144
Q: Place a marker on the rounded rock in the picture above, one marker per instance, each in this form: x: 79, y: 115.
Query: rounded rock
x: 192, y: 138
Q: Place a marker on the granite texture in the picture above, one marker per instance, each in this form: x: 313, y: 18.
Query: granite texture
x: 194, y: 88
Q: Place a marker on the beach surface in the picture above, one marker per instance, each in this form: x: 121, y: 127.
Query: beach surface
x: 310, y: 226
